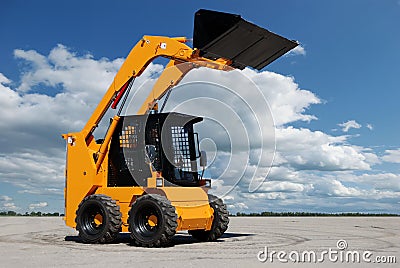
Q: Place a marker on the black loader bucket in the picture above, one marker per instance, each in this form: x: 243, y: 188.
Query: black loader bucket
x: 228, y: 36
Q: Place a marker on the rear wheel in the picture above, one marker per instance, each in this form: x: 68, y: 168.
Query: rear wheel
x: 98, y: 219
x: 220, y: 222
x: 152, y: 221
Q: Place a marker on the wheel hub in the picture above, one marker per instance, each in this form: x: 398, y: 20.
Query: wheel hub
x: 152, y: 220
x: 98, y: 220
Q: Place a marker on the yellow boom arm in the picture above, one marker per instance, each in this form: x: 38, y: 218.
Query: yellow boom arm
x: 148, y: 48
x: 145, y: 51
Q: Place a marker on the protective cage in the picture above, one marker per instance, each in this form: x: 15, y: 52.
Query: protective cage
x: 223, y: 35
x: 166, y: 140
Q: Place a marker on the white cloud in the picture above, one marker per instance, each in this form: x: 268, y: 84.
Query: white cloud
x: 32, y: 152
x: 329, y: 192
x: 5, y: 198
x: 281, y: 186
x: 238, y: 206
x: 392, y: 156
x: 349, y: 124
x: 388, y: 182
x: 9, y: 206
x: 37, y: 205
x: 315, y: 150
x: 86, y: 77
x: 287, y: 101
x: 6, y: 204
x: 299, y: 50
x: 370, y: 126
x: 3, y: 80
x: 336, y: 188
x: 33, y: 171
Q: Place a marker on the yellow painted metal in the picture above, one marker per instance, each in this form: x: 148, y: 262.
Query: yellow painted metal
x: 87, y: 162
x: 181, y: 39
x: 151, y: 182
x: 194, y: 217
x: 104, y: 146
x: 191, y: 205
x: 172, y: 75
x: 124, y: 208
x: 82, y: 178
x: 148, y: 48
x: 124, y: 196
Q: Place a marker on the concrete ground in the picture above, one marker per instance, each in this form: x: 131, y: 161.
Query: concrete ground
x: 47, y: 242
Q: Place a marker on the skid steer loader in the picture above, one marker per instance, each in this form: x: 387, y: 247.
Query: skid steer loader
x: 143, y: 177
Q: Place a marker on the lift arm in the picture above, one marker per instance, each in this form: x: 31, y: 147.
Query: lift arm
x: 138, y: 59
x: 174, y: 73
x: 235, y: 43
x: 148, y: 48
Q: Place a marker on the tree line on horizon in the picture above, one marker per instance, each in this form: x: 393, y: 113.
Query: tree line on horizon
x: 31, y: 214
x: 313, y: 214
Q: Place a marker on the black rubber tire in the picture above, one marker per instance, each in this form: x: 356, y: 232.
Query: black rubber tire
x: 159, y: 235
x: 220, y: 222
x: 92, y: 206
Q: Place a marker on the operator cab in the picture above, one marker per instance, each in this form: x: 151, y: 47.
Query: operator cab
x: 164, y: 142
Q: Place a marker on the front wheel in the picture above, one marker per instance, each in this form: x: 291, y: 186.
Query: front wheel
x: 152, y: 221
x: 220, y: 222
x: 98, y: 219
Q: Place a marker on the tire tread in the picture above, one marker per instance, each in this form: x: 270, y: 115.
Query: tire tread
x: 220, y: 222
x: 171, y: 224
x: 113, y: 211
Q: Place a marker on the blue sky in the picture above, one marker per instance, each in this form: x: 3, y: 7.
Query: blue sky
x: 351, y: 64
